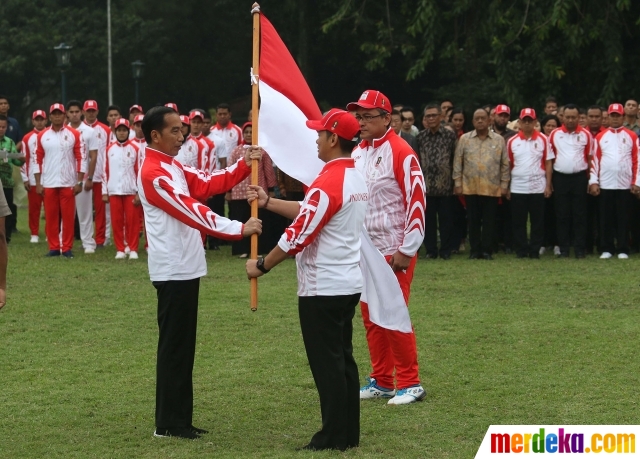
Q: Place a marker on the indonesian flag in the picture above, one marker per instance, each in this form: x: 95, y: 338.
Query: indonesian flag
x: 286, y: 103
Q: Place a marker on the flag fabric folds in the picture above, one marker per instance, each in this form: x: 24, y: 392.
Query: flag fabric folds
x: 286, y: 103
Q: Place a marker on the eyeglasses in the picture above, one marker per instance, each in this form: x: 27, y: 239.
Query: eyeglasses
x: 432, y: 115
x: 366, y: 117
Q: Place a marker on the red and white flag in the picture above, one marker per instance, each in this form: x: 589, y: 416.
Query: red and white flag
x: 286, y: 103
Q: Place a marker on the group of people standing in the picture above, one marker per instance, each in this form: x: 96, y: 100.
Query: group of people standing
x: 573, y: 175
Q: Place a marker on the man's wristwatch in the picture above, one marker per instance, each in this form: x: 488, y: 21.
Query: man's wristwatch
x: 79, y: 184
x: 260, y: 265
x: 90, y: 178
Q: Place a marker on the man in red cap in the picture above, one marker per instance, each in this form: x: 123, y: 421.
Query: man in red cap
x: 191, y: 152
x: 208, y: 148
x: 134, y: 111
x: 503, y: 225
x: 614, y: 172
x: 531, y: 169
x: 395, y: 222
x: 325, y: 237
x: 94, y: 182
x: 27, y: 171
x: 59, y: 172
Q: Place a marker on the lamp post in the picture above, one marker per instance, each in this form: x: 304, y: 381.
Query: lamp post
x: 63, y: 56
x: 138, y: 72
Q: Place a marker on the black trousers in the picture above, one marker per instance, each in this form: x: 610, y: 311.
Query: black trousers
x: 614, y: 220
x: 550, y: 231
x: 327, y: 329
x: 570, y: 191
x: 459, y: 223
x: 504, y: 226
x: 481, y: 213
x: 439, y: 214
x: 177, y: 323
x: 593, y: 222
x: 216, y: 203
x: 634, y: 223
x: 10, y: 220
x: 524, y: 207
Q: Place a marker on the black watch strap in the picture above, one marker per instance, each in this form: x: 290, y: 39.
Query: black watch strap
x: 260, y: 265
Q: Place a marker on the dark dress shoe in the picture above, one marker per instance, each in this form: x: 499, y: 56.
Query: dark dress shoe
x: 521, y: 255
x: 534, y: 255
x: 446, y: 256
x: 179, y: 432
x: 53, y: 253
x: 198, y: 431
x: 473, y: 256
x: 487, y: 256
x: 580, y: 255
x: 430, y: 256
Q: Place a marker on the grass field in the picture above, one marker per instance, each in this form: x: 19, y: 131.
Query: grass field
x: 504, y: 342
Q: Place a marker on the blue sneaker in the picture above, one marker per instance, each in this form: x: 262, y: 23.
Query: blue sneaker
x: 53, y: 253
x: 372, y: 390
x: 67, y: 254
x: 409, y: 395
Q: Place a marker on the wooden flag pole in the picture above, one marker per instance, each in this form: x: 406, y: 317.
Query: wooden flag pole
x: 255, y: 109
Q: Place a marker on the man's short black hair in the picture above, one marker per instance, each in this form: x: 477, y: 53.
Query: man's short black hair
x: 432, y: 106
x: 74, y: 103
x: 550, y: 99
x: 582, y: 111
x: 346, y: 146
x: 395, y: 112
x: 3, y: 97
x: 4, y: 118
x: 223, y: 106
x: 571, y: 107
x: 114, y: 107
x: 595, y: 107
x: 406, y: 108
x: 154, y: 121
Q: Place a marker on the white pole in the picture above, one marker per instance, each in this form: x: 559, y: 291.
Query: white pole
x: 109, y: 52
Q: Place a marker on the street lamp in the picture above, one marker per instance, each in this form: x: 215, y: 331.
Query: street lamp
x: 138, y: 72
x: 63, y: 55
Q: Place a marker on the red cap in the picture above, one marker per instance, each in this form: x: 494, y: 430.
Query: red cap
x: 38, y: 113
x: 90, y: 105
x: 172, y: 105
x: 138, y: 119
x: 57, y: 106
x: 371, y: 99
x: 185, y: 120
x: 616, y: 108
x: 337, y: 121
x: 136, y: 107
x: 196, y: 113
x: 528, y: 113
x: 503, y: 109
x: 122, y: 122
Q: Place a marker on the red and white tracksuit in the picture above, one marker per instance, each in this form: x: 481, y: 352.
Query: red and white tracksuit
x: 27, y: 172
x: 102, y: 218
x: 325, y: 236
x: 226, y: 139
x: 209, y: 151
x: 142, y: 145
x: 395, y: 222
x: 120, y: 184
x: 528, y: 159
x: 615, y: 163
x: 84, y: 199
x: 174, y: 215
x: 59, y: 156
x: 191, y: 154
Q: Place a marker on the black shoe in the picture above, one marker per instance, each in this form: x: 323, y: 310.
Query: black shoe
x: 99, y: 246
x: 67, y: 254
x: 198, y: 431
x: 487, y: 256
x: 446, y: 256
x: 53, y: 253
x: 563, y: 255
x: 508, y: 251
x: 311, y: 447
x: 580, y: 255
x: 179, y: 432
x: 473, y: 256
x: 430, y: 256
x: 521, y: 255
x: 214, y: 247
x: 534, y: 256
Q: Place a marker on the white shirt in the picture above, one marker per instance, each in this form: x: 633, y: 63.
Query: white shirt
x: 27, y: 170
x: 103, y: 134
x: 226, y: 139
x: 615, y: 164
x: 528, y: 159
x: 59, y: 157
x: 89, y: 142
x: 572, y: 150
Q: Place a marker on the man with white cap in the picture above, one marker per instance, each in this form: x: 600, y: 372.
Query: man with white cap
x: 59, y: 172
x: 325, y: 237
x: 29, y: 142
x: 614, y: 172
x: 531, y: 169
x: 395, y: 221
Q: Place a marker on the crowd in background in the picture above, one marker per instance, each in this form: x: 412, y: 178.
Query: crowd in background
x: 523, y: 184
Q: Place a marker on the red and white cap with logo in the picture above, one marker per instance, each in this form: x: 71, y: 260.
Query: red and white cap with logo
x: 616, y: 108
x: 122, y: 122
x: 172, y: 105
x: 185, y: 120
x: 38, y: 113
x: 341, y: 123
x: 502, y: 108
x: 138, y: 119
x: 136, y: 107
x: 371, y: 99
x: 528, y: 113
x: 90, y: 105
x: 56, y: 106
x: 196, y: 114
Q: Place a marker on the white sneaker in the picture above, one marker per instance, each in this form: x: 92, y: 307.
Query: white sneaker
x: 556, y: 250
x: 127, y: 250
x: 88, y: 251
x: 605, y: 256
x: 372, y: 390
x: 120, y: 256
x: 133, y: 255
x: 408, y: 395
x: 34, y: 239
x: 623, y: 256
x: 542, y: 250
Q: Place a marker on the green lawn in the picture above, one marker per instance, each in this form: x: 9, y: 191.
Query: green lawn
x: 504, y: 342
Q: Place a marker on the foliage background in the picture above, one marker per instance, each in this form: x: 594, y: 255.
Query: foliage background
x: 198, y: 53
